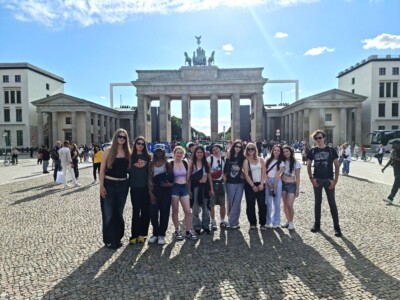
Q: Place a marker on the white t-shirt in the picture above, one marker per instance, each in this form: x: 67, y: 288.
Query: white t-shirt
x: 273, y: 170
x: 297, y: 165
x: 256, y: 171
x: 217, y: 164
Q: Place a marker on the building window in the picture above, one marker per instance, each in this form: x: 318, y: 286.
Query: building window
x: 12, y: 93
x: 395, y: 88
x: 382, y: 71
x: 353, y: 91
x: 47, y: 86
x: 17, y: 78
x: 18, y: 114
x: 381, y: 127
x: 6, y: 78
x: 381, y: 109
x: 328, y: 117
x: 328, y: 135
x: 8, y: 138
x: 18, y: 96
x: 353, y: 80
x: 395, y: 127
x: 98, y: 122
x: 20, y: 137
x: 395, y: 71
x: 6, y: 97
x: 395, y: 109
x: 68, y: 120
x: 381, y: 90
x: 6, y: 115
x: 388, y: 89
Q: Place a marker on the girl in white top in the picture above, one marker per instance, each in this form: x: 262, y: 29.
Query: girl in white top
x: 273, y: 194
x: 254, y: 173
x: 290, y: 185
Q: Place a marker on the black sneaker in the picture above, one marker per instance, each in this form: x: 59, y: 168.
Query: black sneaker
x: 191, y: 235
x: 315, y: 229
x: 207, y: 230
x: 198, y: 231
x: 338, y: 232
x: 178, y: 235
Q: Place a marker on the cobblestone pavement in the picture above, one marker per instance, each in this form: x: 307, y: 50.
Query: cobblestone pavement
x: 51, y: 247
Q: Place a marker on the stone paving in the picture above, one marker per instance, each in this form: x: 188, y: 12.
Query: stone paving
x: 51, y: 247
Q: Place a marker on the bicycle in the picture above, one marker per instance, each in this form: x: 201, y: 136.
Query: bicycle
x: 356, y: 156
x: 7, y: 159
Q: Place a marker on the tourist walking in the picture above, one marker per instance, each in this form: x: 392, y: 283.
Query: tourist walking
x: 380, y: 154
x: 234, y: 183
x: 140, y: 198
x: 56, y: 159
x: 160, y: 181
x: 275, y: 167
x: 75, y: 159
x: 290, y: 185
x: 200, y: 190
x: 254, y: 173
x: 394, y: 161
x: 180, y: 194
x: 66, y: 164
x: 46, y: 158
x: 114, y: 187
x: 324, y: 158
x: 14, y: 156
x: 97, y: 157
x: 346, y: 155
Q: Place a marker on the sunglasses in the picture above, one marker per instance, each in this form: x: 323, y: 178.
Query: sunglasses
x: 318, y: 138
x: 122, y: 137
x: 238, y: 147
x: 139, y: 144
x: 251, y: 149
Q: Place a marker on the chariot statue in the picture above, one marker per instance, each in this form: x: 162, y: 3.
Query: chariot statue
x: 188, y: 60
x: 199, y: 56
x: 211, y: 59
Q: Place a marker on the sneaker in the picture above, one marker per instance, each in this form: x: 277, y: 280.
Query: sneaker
x: 214, y: 225
x: 286, y: 225
x: 77, y: 185
x: 315, y: 229
x: 235, y: 226
x: 269, y: 226
x: 178, y: 235
x: 153, y: 239
x: 253, y: 226
x: 141, y: 239
x: 263, y: 227
x: 275, y: 226
x: 207, y: 230
x: 191, y: 235
x: 338, y: 232
x: 94, y: 181
x: 224, y: 224
x: 388, y: 201
x: 161, y: 240
x: 66, y: 186
x: 132, y: 241
x: 198, y: 231
x: 291, y: 226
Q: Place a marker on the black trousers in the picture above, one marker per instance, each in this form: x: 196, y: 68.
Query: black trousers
x: 96, y: 169
x: 159, y: 213
x: 396, y: 183
x: 251, y: 199
x: 330, y: 194
x: 140, y: 212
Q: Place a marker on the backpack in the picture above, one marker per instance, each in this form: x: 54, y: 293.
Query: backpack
x: 54, y: 154
x: 184, y: 163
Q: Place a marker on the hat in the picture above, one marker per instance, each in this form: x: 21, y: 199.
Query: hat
x: 397, y: 142
x: 158, y: 147
x: 216, y: 145
x: 190, y: 144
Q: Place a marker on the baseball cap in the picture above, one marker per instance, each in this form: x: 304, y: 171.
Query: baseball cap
x: 190, y: 144
x: 158, y: 147
x: 216, y: 145
x: 395, y: 142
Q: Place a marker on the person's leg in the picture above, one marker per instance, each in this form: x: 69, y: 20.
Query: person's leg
x: 213, y: 199
x: 268, y: 201
x: 205, y: 215
x: 144, y: 212
x: 290, y: 210
x: 222, y: 201
x: 196, y: 209
x: 135, y: 213
x: 330, y: 194
x: 396, y: 184
x: 262, y: 207
x: 175, y: 211
x: 56, y: 167
x: 154, y: 217
x: 94, y: 172
x: 276, y: 218
x: 250, y: 205
x: 284, y: 202
x: 122, y: 194
x: 45, y: 166
x: 185, y: 202
x: 165, y: 207
x: 107, y: 213
x: 318, y: 204
x: 65, y: 171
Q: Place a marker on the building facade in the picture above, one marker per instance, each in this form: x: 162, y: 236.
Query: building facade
x: 20, y: 85
x: 377, y: 78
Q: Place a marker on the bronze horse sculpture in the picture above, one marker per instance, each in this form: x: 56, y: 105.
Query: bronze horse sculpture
x: 211, y: 59
x: 188, y: 60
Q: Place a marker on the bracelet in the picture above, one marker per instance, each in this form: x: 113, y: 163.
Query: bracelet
x: 311, y: 177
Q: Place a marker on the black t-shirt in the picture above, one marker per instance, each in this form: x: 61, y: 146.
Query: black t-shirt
x: 233, y: 169
x: 323, y: 161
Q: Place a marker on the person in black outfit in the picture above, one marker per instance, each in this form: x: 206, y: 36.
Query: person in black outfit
x: 324, y: 158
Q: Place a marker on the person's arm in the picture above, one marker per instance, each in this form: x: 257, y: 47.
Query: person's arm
x: 246, y: 175
x: 278, y: 175
x: 313, y: 180
x: 297, y: 182
x: 263, y: 174
x: 103, y: 192
x: 188, y: 178
x: 335, y: 180
x: 210, y: 179
x: 150, y: 183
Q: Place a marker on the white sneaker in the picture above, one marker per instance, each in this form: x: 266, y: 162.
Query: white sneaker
x: 269, y: 226
x: 66, y: 186
x: 286, y: 225
x: 291, y: 226
x: 77, y: 185
x: 275, y: 226
x: 161, y: 240
x: 153, y: 239
x: 214, y: 225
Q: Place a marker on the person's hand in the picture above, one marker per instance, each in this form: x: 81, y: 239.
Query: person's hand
x: 314, y: 182
x: 261, y: 187
x: 255, y: 189
x: 212, y: 193
x: 103, y: 192
x: 153, y: 199
x: 332, y: 185
x: 270, y: 186
x: 297, y: 193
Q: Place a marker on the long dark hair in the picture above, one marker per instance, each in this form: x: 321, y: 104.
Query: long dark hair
x: 203, y: 160
x: 145, y: 151
x: 292, y: 160
x: 232, y: 152
x: 272, y: 157
x: 114, y: 148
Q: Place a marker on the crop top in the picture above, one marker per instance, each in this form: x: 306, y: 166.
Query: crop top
x: 119, y: 168
x: 297, y: 165
x: 180, y: 173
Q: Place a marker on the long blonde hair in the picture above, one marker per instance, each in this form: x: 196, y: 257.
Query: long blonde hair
x: 114, y: 148
x: 252, y: 145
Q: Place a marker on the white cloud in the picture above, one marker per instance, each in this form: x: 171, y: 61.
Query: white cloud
x: 383, y: 41
x: 318, y: 51
x: 281, y: 35
x: 228, y: 48
x: 58, y: 13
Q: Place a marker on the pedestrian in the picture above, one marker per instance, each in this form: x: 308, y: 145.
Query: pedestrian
x: 234, y: 183
x: 217, y: 163
x: 190, y: 147
x: 39, y: 156
x: 394, y: 161
x: 160, y: 182
x: 46, y: 158
x: 180, y: 193
x: 346, y: 155
x: 97, y: 158
x: 363, y: 152
x: 56, y: 159
x: 275, y: 167
x: 254, y: 173
x: 31, y: 151
x: 200, y: 190
x: 67, y: 164
x: 325, y: 158
x: 290, y: 185
x: 75, y: 159
x: 304, y: 152
x: 265, y: 149
x: 14, y: 156
x: 380, y: 153
x: 140, y: 198
x: 114, y: 187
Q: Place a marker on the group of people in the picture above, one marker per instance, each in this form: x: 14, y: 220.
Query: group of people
x: 200, y: 185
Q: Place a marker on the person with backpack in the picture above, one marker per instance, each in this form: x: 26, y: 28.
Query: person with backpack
x: 56, y: 159
x: 217, y: 163
x: 323, y: 177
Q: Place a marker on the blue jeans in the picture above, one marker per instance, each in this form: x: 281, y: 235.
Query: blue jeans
x: 112, y: 208
x: 57, y: 167
x: 275, y: 218
x: 205, y: 213
x: 346, y: 166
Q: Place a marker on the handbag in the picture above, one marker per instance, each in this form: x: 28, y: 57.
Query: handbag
x: 60, y: 177
x: 216, y: 174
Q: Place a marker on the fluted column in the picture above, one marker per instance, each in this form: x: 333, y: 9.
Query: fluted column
x: 321, y: 124
x: 186, y: 132
x: 143, y: 117
x: 54, y: 124
x: 258, y: 116
x: 107, y: 136
x: 88, y: 137
x: 290, y: 127
x: 306, y: 125
x: 131, y: 128
x: 214, y: 117
x: 96, y: 128
x: 165, y: 118
x: 235, y: 119
x: 112, y: 126
x: 117, y: 125
x: 74, y: 126
x: 343, y: 126
x: 40, y: 128
x: 300, y: 125
x: 50, y: 129
x: 358, y: 124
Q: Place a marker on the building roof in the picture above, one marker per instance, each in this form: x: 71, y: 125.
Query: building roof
x: 370, y: 58
x: 24, y: 65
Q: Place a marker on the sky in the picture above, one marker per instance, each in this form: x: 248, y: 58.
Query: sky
x: 92, y: 43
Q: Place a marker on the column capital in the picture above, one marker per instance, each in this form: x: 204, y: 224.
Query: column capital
x: 214, y: 97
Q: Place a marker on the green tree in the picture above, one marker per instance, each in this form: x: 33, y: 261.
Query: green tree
x: 176, y: 130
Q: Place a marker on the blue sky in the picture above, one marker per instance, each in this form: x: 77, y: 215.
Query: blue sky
x: 94, y: 43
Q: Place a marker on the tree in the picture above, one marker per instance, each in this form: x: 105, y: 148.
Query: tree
x: 176, y: 129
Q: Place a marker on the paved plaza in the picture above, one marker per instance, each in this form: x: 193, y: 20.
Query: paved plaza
x: 51, y: 247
